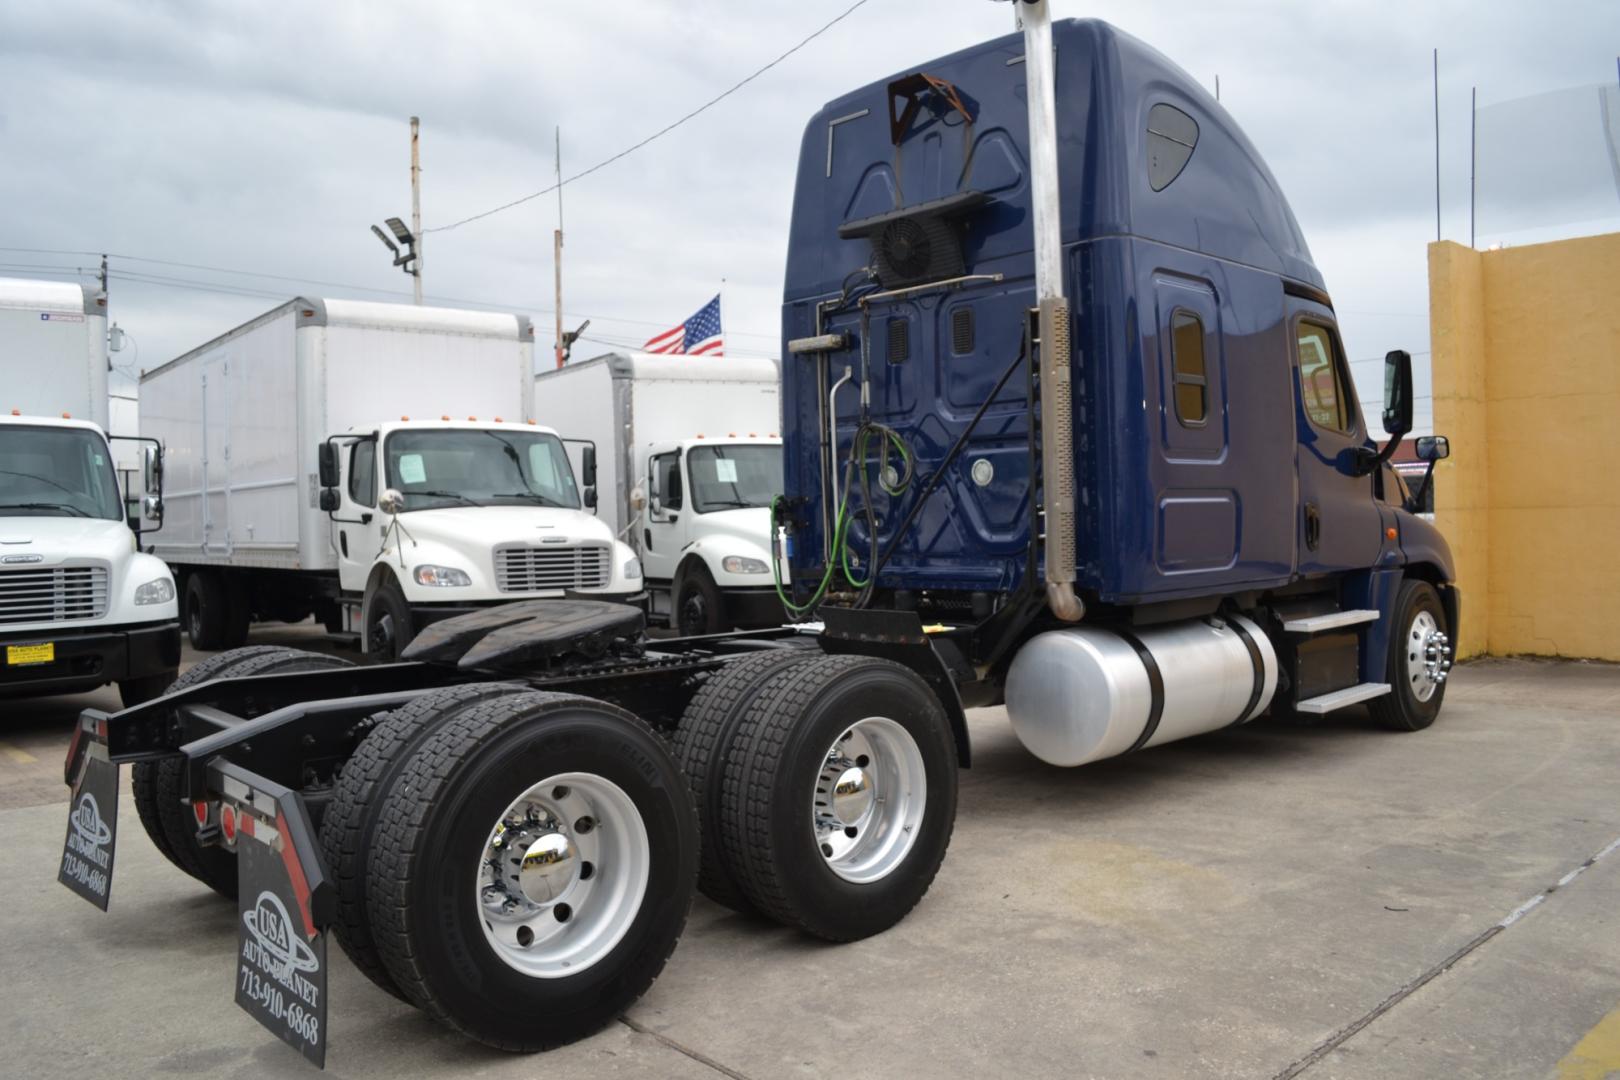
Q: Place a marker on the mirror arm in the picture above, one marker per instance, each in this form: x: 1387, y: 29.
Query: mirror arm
x: 1415, y: 506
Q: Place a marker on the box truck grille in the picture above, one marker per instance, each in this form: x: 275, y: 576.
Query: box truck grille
x: 528, y: 569
x: 57, y: 594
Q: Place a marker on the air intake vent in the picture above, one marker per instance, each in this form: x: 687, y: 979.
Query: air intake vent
x: 962, y: 331
x: 899, y: 340
x: 526, y: 569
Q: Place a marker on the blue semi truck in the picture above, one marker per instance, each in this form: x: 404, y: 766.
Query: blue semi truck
x: 1068, y: 426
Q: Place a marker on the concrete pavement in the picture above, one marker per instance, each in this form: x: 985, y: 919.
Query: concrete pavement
x: 1272, y: 901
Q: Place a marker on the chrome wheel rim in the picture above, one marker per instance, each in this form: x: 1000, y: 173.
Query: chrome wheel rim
x: 869, y: 799
x: 1428, y: 656
x: 562, y: 875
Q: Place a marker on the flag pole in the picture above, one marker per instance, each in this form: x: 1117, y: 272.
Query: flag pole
x: 722, y: 316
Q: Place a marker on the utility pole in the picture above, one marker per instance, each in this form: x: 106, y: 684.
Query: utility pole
x: 556, y: 253
x: 416, y: 205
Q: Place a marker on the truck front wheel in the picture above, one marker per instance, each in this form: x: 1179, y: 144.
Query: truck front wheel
x: 532, y: 868
x: 1419, y: 661
x: 699, y: 607
x: 388, y: 622
x: 840, y: 796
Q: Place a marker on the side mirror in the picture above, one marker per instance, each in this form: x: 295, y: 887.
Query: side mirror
x: 152, y: 470
x: 152, y: 507
x: 327, y: 455
x: 392, y: 501
x: 655, y: 506
x: 329, y: 500
x: 1397, y: 392
x: 1433, y: 448
x: 587, y: 466
x: 590, y: 498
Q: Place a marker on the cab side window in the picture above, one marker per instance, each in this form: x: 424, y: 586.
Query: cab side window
x: 363, y: 472
x: 1324, y: 386
x: 666, y: 469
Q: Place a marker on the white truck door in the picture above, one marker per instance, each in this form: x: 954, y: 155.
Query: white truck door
x: 216, y: 457
x: 664, y: 527
x: 358, y: 523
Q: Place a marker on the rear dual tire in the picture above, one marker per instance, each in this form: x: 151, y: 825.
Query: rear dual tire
x: 830, y: 786
x: 582, y: 914
x: 216, y: 610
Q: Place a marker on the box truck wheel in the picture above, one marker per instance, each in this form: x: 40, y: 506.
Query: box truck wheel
x: 839, y: 796
x: 699, y: 607
x: 388, y: 620
x: 704, y: 739
x: 1419, y: 660
x: 531, y: 868
x: 357, y: 798
x: 163, y: 811
x: 207, y: 610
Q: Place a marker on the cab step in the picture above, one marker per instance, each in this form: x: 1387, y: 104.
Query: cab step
x: 1350, y: 695
x: 1333, y: 620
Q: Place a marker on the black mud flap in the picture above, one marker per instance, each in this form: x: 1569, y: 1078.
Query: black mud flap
x: 92, y: 829
x: 285, y: 905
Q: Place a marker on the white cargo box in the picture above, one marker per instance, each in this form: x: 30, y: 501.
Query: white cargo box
x: 53, y: 350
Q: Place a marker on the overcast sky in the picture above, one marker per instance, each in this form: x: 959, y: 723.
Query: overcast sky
x: 267, y: 137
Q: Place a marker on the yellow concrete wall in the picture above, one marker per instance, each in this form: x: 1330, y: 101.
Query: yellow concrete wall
x: 1526, y: 354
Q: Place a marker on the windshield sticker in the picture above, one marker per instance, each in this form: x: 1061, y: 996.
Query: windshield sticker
x: 725, y: 471
x: 411, y: 469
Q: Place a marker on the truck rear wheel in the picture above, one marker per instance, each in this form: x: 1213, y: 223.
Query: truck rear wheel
x: 532, y: 868
x: 157, y: 784
x: 704, y: 739
x: 840, y: 796
x: 207, y: 610
x: 1419, y: 660
x: 351, y: 817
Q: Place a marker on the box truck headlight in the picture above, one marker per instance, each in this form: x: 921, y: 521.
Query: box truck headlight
x: 158, y: 591
x: 737, y: 564
x: 632, y: 569
x: 441, y: 576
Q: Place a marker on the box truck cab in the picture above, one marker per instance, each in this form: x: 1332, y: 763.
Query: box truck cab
x: 285, y: 436
x: 436, y: 518
x: 691, y: 456
x: 80, y: 605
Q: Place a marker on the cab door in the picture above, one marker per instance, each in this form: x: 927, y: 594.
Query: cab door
x: 664, y: 528
x: 1339, y: 524
x: 357, y: 525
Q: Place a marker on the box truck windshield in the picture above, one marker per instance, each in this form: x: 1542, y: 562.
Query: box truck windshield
x: 734, y: 477
x: 57, y: 472
x: 435, y: 469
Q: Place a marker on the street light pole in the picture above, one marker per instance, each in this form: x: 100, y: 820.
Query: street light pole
x: 416, y: 205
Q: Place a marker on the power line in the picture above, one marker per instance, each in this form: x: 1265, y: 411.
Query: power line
x: 657, y: 134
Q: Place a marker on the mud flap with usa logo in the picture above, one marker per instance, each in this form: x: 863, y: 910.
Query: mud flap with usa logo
x: 87, y: 849
x: 283, y: 896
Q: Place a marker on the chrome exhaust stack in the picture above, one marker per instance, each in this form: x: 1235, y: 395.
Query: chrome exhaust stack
x: 1057, y: 399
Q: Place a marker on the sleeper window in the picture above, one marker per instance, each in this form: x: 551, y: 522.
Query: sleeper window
x: 1187, y: 365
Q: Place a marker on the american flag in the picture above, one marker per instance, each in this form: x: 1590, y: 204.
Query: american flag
x: 699, y: 335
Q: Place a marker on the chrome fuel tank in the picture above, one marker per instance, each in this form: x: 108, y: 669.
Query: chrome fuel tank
x: 1086, y: 693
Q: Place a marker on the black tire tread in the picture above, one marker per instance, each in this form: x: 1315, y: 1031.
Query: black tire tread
x: 396, y: 856
x: 363, y: 783
x: 703, y: 741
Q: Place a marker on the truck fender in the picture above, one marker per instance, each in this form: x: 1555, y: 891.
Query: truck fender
x: 898, y: 636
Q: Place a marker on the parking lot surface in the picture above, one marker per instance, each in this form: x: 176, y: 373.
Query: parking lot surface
x: 1330, y: 901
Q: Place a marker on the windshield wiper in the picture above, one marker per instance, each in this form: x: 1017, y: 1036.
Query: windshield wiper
x: 535, y: 495
x: 732, y: 504
x: 446, y: 495
x: 74, y: 510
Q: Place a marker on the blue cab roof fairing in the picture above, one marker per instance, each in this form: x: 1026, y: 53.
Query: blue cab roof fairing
x: 1224, y: 202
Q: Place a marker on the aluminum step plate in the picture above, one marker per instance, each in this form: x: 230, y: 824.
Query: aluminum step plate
x: 1350, y: 695
x: 1333, y: 620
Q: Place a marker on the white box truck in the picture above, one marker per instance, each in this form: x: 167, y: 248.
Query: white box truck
x: 80, y: 605
x: 693, y: 458
x: 376, y: 465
